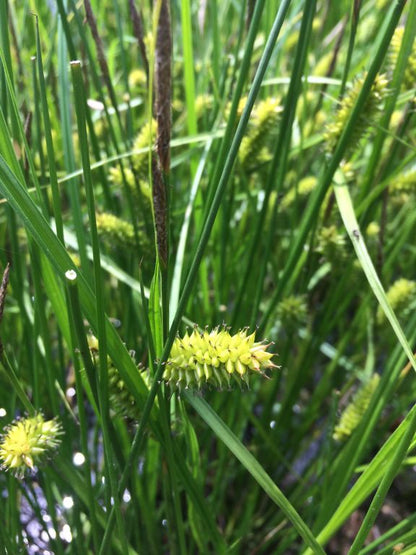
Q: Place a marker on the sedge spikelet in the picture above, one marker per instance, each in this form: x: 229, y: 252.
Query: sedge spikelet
x: 137, y: 81
x: 145, y: 139
x: 253, y: 150
x: 331, y: 244
x: 203, y: 103
x: 114, y: 231
x: 26, y: 441
x: 163, y: 86
x: 122, y: 402
x: 401, y: 296
x: 292, y: 312
x: 139, y: 190
x: 403, y: 186
x: 215, y: 358
x: 409, y: 77
x: 300, y: 191
x: 353, y: 413
x: 372, y: 107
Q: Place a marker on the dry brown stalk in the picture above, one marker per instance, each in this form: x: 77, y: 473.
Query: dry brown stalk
x: 163, y: 86
x: 139, y: 34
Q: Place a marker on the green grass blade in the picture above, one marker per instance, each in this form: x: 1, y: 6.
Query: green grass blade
x: 351, y: 225
x: 255, y: 469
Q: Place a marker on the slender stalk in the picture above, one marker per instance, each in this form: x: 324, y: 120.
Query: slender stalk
x: 49, y: 142
x: 74, y: 328
x: 101, y: 318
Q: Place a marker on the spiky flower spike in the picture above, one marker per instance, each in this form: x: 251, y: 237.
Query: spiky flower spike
x: 145, y: 139
x: 215, y: 358
x: 409, y: 77
x: 332, y: 245
x: 253, y: 150
x: 292, y: 312
x: 373, y: 106
x: 114, y: 231
x: 402, y: 297
x: 355, y: 410
x: 27, y: 441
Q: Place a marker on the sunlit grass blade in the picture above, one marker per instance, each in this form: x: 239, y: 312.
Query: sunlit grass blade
x: 255, y: 469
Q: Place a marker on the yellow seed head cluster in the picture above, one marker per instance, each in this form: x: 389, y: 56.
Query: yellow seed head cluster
x: 401, y: 296
x: 353, y: 413
x: 404, y: 183
x: 137, y: 81
x: 292, y: 312
x: 373, y: 105
x: 331, y: 244
x: 114, y: 230
x: 409, y: 78
x: 254, y: 148
x: 299, y: 191
x: 215, y: 358
x: 139, y: 190
x: 122, y: 401
x: 203, y: 104
x: 373, y: 229
x: 117, y: 177
x: 28, y: 440
x: 145, y: 139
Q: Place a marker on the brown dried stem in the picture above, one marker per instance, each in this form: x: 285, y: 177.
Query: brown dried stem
x: 139, y: 34
x: 163, y: 86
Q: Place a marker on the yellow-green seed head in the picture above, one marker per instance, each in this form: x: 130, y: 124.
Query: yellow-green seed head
x: 401, y: 296
x: 139, y: 191
x: 203, y: 103
x: 292, y: 312
x: 145, y: 139
x: 137, y: 81
x: 409, y: 78
x: 253, y: 150
x: 353, y: 413
x: 215, y: 358
x: 27, y: 441
x: 331, y: 244
x: 122, y: 402
x: 323, y: 65
x: 241, y: 105
x: 402, y: 187
x: 299, y: 191
x: 373, y: 229
x: 373, y: 106
x: 404, y: 183
x: 117, y: 178
x: 114, y: 231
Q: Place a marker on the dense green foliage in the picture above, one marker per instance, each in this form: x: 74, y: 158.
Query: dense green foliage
x: 286, y: 209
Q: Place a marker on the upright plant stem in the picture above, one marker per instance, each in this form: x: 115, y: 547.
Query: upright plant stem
x: 100, y: 301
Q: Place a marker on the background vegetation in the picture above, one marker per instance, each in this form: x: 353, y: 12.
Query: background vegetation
x: 286, y: 207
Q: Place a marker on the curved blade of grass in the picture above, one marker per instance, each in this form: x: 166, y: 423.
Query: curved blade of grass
x: 254, y: 467
x: 367, y: 482
x: 346, y: 209
x: 393, y: 468
x: 343, y: 467
x: 402, y: 61
x: 205, y: 234
x: 21, y: 202
x: 325, y: 180
x: 279, y: 163
x: 48, y: 137
x: 213, y: 210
